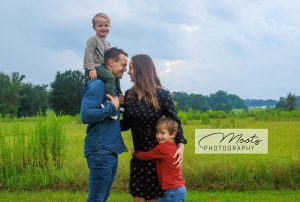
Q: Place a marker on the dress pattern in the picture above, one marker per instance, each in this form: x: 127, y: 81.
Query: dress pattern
x: 141, y: 119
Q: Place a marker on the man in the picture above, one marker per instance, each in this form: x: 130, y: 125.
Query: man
x: 103, y: 140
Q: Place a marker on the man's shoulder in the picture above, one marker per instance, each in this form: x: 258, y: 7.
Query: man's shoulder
x: 95, y: 83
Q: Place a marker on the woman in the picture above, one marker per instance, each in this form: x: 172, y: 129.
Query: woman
x: 145, y: 103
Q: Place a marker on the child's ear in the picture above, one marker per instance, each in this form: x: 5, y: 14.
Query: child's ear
x: 173, y: 135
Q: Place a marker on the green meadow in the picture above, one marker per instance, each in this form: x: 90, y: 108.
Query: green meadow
x: 46, y: 153
x: 192, y: 196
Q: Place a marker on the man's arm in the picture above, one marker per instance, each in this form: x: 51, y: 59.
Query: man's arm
x: 91, y: 111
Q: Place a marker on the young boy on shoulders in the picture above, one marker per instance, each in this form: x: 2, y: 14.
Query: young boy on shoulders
x: 96, y: 46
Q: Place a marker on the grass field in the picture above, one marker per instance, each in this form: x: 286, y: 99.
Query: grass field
x: 277, y: 170
x: 51, y: 196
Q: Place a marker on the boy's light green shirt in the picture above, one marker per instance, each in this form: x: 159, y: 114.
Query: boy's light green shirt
x: 94, y: 52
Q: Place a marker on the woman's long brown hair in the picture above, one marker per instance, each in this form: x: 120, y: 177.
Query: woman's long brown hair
x: 146, y: 81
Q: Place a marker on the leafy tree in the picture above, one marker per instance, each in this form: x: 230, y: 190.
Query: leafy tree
x: 181, y: 99
x: 280, y: 103
x: 290, y: 102
x: 34, y: 100
x: 198, y: 102
x: 65, y: 93
x: 236, y: 102
x: 9, y: 93
x: 185, y: 101
x: 218, y: 101
x: 225, y: 102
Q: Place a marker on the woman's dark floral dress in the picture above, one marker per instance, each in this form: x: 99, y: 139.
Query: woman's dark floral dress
x: 141, y: 119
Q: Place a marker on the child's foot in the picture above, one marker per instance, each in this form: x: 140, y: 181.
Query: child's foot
x: 115, y: 117
x: 122, y: 109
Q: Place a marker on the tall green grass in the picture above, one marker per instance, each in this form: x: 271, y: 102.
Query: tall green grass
x: 29, y: 155
x: 47, y: 152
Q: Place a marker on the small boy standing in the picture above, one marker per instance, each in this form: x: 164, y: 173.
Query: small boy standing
x: 96, y: 46
x: 170, y: 177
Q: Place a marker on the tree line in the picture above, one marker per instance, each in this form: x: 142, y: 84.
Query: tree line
x: 63, y: 95
x: 19, y: 98
x: 220, y: 100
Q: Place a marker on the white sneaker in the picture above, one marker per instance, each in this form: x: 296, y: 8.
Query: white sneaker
x: 115, y: 117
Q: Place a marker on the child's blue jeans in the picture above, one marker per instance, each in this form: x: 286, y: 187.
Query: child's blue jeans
x: 102, y: 167
x: 174, y: 195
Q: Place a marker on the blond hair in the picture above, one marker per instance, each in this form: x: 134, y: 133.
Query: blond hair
x: 103, y: 15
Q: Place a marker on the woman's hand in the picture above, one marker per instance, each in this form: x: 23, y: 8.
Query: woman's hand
x: 179, y: 154
x: 121, y: 99
x: 132, y: 152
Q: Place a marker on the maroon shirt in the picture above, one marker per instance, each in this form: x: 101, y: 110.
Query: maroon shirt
x: 169, y: 176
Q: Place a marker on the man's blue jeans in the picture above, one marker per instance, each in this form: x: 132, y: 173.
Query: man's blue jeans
x: 174, y: 195
x: 102, y: 167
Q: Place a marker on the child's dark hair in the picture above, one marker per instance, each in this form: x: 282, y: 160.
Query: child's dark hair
x: 167, y: 123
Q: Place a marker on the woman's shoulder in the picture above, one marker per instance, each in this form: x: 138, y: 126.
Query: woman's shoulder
x: 162, y: 92
x: 127, y: 91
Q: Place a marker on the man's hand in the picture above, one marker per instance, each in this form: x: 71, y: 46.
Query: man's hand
x: 179, y: 154
x: 121, y: 99
x: 93, y: 74
x: 114, y: 100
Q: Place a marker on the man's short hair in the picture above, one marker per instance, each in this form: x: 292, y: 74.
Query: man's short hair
x: 113, y: 53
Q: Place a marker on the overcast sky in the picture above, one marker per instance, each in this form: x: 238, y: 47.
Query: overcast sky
x: 247, y: 48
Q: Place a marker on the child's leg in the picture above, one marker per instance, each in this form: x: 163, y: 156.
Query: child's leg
x: 107, y: 77
x: 118, y: 87
x: 119, y: 92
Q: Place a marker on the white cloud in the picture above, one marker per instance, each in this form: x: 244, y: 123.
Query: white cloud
x: 189, y: 28
x: 245, y: 47
x: 169, y: 66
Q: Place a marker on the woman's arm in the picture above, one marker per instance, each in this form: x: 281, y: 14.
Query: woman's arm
x: 125, y: 123
x: 179, y: 154
x: 169, y: 110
